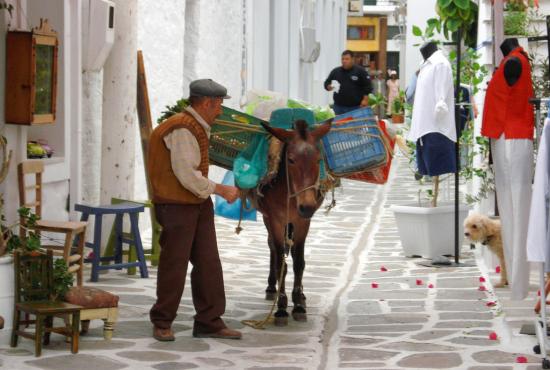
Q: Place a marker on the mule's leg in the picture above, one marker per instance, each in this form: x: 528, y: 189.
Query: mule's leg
x: 299, y: 264
x: 271, y: 291
x: 281, y: 316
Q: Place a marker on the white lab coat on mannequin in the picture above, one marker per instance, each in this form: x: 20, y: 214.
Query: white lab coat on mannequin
x: 434, y: 99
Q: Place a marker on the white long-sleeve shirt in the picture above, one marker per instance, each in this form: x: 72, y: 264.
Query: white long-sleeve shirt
x: 185, y: 157
x: 433, y: 109
x: 538, y: 240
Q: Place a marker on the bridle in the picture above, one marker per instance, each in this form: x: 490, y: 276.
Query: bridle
x: 315, y: 186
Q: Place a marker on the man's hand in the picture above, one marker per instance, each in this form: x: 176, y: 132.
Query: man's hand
x: 364, y: 102
x: 229, y: 193
x: 329, y: 88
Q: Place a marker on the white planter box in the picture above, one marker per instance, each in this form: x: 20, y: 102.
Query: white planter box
x: 428, y: 231
x: 6, y: 297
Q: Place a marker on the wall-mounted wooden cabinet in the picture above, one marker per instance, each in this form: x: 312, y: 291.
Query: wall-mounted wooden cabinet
x: 31, y: 75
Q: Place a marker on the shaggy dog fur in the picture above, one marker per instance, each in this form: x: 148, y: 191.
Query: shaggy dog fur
x: 480, y: 228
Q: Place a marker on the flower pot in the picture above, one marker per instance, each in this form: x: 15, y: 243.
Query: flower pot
x: 397, y: 118
x: 428, y: 231
x: 6, y: 297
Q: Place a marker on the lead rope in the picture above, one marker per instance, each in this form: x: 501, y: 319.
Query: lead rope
x: 261, y: 324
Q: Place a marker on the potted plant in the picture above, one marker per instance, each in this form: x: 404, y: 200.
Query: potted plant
x: 398, y: 108
x: 377, y: 102
x: 515, y: 19
x: 426, y: 227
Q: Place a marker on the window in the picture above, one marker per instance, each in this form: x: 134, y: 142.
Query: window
x: 361, y: 33
x: 369, y: 2
x: 393, y: 31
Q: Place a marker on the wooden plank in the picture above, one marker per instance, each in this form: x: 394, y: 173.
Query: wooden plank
x: 144, y: 114
x: 32, y: 167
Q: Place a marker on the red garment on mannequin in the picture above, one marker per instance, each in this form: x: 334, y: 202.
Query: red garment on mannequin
x: 507, y: 109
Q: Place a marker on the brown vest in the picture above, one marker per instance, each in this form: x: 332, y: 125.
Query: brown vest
x: 165, y: 185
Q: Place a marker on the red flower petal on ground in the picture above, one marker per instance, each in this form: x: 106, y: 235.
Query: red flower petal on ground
x: 521, y: 360
x: 481, y: 279
x: 491, y: 304
x: 497, y: 269
x: 374, y: 285
x: 430, y: 286
x: 482, y: 288
x: 383, y: 269
x: 419, y: 282
x: 493, y: 336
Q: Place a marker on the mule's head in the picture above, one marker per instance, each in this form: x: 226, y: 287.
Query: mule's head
x: 302, y: 162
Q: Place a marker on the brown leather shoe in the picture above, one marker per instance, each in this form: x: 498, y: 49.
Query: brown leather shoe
x: 163, y: 335
x: 224, y: 333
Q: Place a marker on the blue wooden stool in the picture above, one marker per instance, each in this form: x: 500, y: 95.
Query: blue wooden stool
x: 133, y: 210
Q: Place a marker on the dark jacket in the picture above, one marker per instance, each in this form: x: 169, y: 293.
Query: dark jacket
x: 355, y: 83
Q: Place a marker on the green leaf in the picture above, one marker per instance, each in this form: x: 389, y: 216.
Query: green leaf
x: 444, y: 3
x: 452, y: 55
x: 453, y: 25
x: 464, y: 14
x: 462, y: 4
x: 416, y: 31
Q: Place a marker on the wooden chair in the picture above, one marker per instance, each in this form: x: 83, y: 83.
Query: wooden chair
x: 33, y: 292
x: 71, y: 230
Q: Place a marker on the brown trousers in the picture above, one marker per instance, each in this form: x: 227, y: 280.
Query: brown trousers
x: 188, y: 235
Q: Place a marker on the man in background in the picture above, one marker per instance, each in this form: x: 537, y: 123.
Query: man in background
x: 351, y: 85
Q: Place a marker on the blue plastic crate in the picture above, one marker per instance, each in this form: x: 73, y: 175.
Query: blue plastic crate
x: 354, y: 146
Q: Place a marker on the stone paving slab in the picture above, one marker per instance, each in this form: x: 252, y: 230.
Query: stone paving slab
x: 351, y: 324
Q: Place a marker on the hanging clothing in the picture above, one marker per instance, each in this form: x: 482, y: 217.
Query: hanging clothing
x: 433, y: 109
x: 507, y: 109
x: 513, y: 165
x: 393, y: 93
x: 435, y: 155
x: 538, y: 241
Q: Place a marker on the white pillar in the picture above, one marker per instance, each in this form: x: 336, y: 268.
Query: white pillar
x: 92, y: 94
x: 119, y: 107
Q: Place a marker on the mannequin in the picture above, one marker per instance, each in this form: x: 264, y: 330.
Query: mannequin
x: 433, y: 121
x: 512, y: 67
x: 428, y: 49
x: 508, y: 121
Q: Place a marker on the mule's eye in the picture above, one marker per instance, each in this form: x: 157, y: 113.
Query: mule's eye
x: 290, y: 160
x: 474, y: 226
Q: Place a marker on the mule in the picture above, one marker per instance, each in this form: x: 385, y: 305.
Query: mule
x: 287, y: 204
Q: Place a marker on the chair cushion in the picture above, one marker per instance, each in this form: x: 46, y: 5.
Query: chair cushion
x: 89, y: 297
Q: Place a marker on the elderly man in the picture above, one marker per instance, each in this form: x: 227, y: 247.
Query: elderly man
x: 178, y: 172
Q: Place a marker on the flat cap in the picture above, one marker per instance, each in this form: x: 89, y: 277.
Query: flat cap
x: 209, y: 88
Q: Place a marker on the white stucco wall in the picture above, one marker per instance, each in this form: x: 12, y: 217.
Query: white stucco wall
x: 213, y: 44
x: 162, y: 49
x: 418, y: 12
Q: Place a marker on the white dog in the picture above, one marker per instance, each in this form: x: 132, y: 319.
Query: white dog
x: 480, y: 228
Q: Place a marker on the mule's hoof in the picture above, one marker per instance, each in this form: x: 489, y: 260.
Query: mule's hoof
x: 299, y: 316
x: 281, y: 321
x: 270, y: 296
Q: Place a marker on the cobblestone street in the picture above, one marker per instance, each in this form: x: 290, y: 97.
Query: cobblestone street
x: 359, y: 316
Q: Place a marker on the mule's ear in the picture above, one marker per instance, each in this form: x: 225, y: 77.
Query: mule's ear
x: 322, y: 130
x: 281, y: 134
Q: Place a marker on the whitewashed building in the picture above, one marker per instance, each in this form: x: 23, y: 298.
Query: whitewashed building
x: 243, y: 44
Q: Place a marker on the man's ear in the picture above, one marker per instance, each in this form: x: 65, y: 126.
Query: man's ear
x: 281, y: 134
x: 322, y: 130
